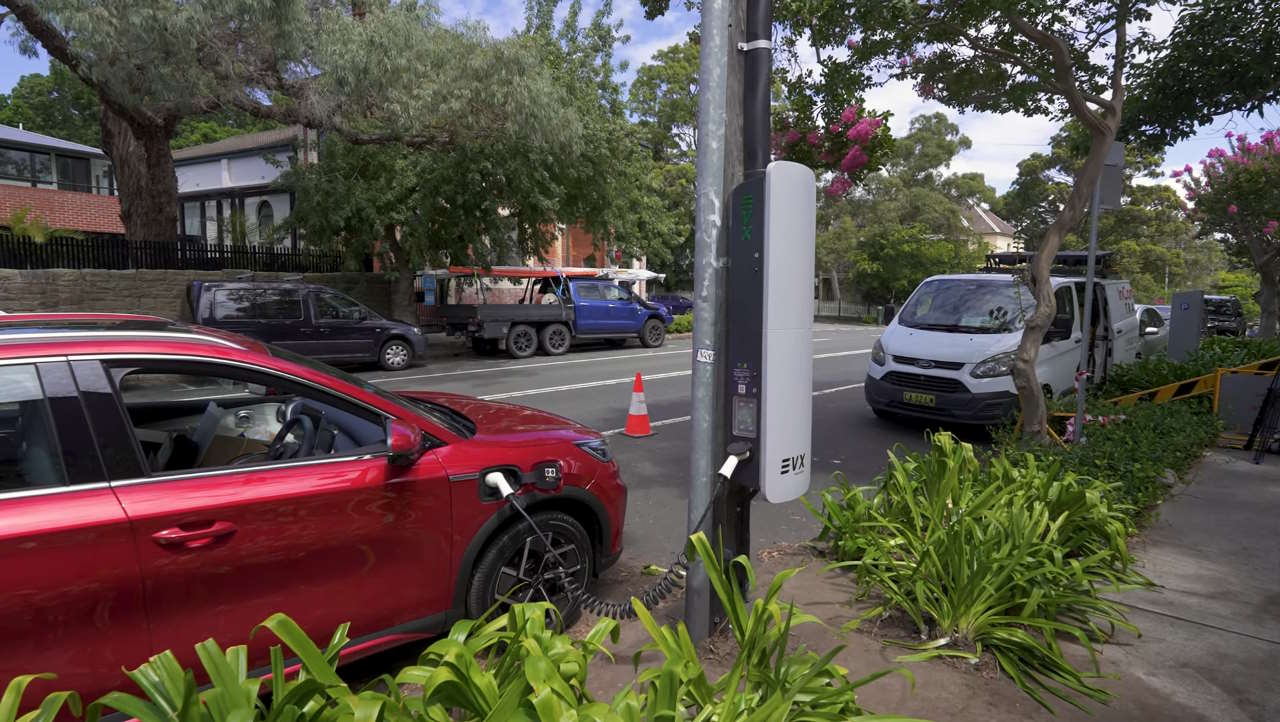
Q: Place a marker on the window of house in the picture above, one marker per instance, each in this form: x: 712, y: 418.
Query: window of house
x: 202, y: 416
x: 257, y: 304
x: 266, y: 220
x: 29, y: 455
x: 15, y: 164
x: 73, y: 174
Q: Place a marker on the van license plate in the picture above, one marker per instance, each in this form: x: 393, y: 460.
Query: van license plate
x: 911, y: 397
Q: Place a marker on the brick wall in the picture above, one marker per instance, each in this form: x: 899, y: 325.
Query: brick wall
x: 161, y: 293
x: 68, y: 210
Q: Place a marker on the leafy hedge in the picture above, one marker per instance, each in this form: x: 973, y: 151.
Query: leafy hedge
x: 1214, y: 353
x: 1134, y: 454
x: 682, y: 324
x: 514, y: 668
x: 1004, y: 556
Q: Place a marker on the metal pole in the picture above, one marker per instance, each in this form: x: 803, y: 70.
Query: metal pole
x: 1086, y: 345
x: 709, y: 211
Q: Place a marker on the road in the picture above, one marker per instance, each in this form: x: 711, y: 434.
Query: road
x: 592, y: 385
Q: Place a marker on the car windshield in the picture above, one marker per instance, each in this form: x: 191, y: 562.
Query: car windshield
x: 442, y: 415
x: 1220, y: 306
x: 968, y: 305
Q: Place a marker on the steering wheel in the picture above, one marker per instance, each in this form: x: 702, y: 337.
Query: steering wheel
x: 277, y: 449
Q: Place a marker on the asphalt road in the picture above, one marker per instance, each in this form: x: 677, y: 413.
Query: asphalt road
x: 592, y: 385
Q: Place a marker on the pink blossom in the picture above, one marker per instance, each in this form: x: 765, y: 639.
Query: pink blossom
x: 1231, y: 134
x: 838, y: 186
x: 852, y: 42
x: 854, y: 160
x: 875, y: 122
x: 860, y: 133
x: 904, y: 62
x: 1271, y: 227
x: 813, y: 137
x: 835, y: 128
x: 1191, y: 194
x: 1176, y: 174
x: 792, y: 136
x: 1242, y: 139
x: 1186, y: 168
x: 1232, y: 209
x: 850, y: 114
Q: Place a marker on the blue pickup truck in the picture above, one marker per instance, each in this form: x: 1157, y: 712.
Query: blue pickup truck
x: 551, y: 313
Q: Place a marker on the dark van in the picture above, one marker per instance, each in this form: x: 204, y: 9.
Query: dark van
x: 308, y: 319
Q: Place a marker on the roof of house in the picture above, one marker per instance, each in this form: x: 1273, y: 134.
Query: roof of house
x: 10, y: 134
x: 273, y: 138
x: 984, y: 222
x: 64, y: 210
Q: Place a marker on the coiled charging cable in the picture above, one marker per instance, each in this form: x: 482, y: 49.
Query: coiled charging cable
x: 667, y: 585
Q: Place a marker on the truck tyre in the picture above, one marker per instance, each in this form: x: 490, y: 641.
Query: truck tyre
x: 522, y: 341
x: 555, y: 338
x: 654, y: 334
x: 395, y: 355
x: 512, y: 568
x: 484, y: 346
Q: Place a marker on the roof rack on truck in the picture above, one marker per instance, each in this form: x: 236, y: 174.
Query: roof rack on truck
x: 1065, y: 263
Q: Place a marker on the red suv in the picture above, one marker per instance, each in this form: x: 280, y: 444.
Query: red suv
x: 161, y: 484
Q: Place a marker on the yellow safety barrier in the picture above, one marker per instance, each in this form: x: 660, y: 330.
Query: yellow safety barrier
x: 1198, y: 386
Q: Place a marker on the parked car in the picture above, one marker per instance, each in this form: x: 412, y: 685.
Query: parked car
x: 677, y: 304
x: 1223, y: 316
x: 1154, y: 330
x: 1165, y: 311
x: 554, y: 310
x: 307, y: 319
x: 948, y: 353
x: 161, y: 484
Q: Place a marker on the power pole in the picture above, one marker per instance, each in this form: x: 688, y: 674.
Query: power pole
x: 714, y: 60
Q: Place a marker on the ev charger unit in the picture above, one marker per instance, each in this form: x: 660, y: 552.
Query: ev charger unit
x: 769, y: 344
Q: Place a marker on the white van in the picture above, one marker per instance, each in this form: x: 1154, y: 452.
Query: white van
x: 947, y: 355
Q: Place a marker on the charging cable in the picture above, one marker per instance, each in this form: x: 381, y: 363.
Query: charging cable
x: 670, y: 581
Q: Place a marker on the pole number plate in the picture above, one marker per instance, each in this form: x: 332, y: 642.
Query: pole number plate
x: 706, y: 356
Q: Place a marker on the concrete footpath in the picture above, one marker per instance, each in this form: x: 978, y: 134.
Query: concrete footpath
x: 1210, y: 644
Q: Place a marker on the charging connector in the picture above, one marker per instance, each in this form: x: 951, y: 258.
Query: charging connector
x: 671, y: 580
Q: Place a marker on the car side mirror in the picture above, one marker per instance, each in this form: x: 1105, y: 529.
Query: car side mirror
x: 404, y: 443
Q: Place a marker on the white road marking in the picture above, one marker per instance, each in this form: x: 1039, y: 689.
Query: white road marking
x: 627, y: 379
x: 682, y: 419
x: 509, y: 367
x: 585, y: 385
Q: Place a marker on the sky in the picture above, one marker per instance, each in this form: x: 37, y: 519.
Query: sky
x: 999, y: 141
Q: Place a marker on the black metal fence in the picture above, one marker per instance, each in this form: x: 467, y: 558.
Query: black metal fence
x: 118, y: 253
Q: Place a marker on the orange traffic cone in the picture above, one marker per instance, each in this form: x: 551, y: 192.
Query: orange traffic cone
x: 638, y: 414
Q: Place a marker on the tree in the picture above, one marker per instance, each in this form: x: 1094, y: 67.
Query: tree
x: 372, y: 71
x: 215, y: 126
x: 497, y: 201
x: 1236, y: 194
x: 913, y: 202
x: 56, y: 104
x: 1155, y: 246
x: 664, y: 99
x: 1200, y: 73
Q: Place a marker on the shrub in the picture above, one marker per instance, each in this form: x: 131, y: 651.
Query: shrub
x: 1001, y: 557
x: 683, y: 323
x: 1135, y: 453
x: 515, y: 667
x: 1214, y: 353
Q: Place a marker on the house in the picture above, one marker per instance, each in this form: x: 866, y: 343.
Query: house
x: 63, y: 184
x: 996, y: 233
x: 226, y: 188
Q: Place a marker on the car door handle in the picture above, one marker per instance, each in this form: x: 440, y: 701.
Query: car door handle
x: 194, y: 538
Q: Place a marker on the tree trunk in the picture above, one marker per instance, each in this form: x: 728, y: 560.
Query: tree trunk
x: 1030, y: 396
x: 144, y: 174
x: 404, y: 306
x: 1269, y: 299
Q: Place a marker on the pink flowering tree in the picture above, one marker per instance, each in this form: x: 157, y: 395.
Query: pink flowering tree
x: 1235, y: 196
x: 841, y: 150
